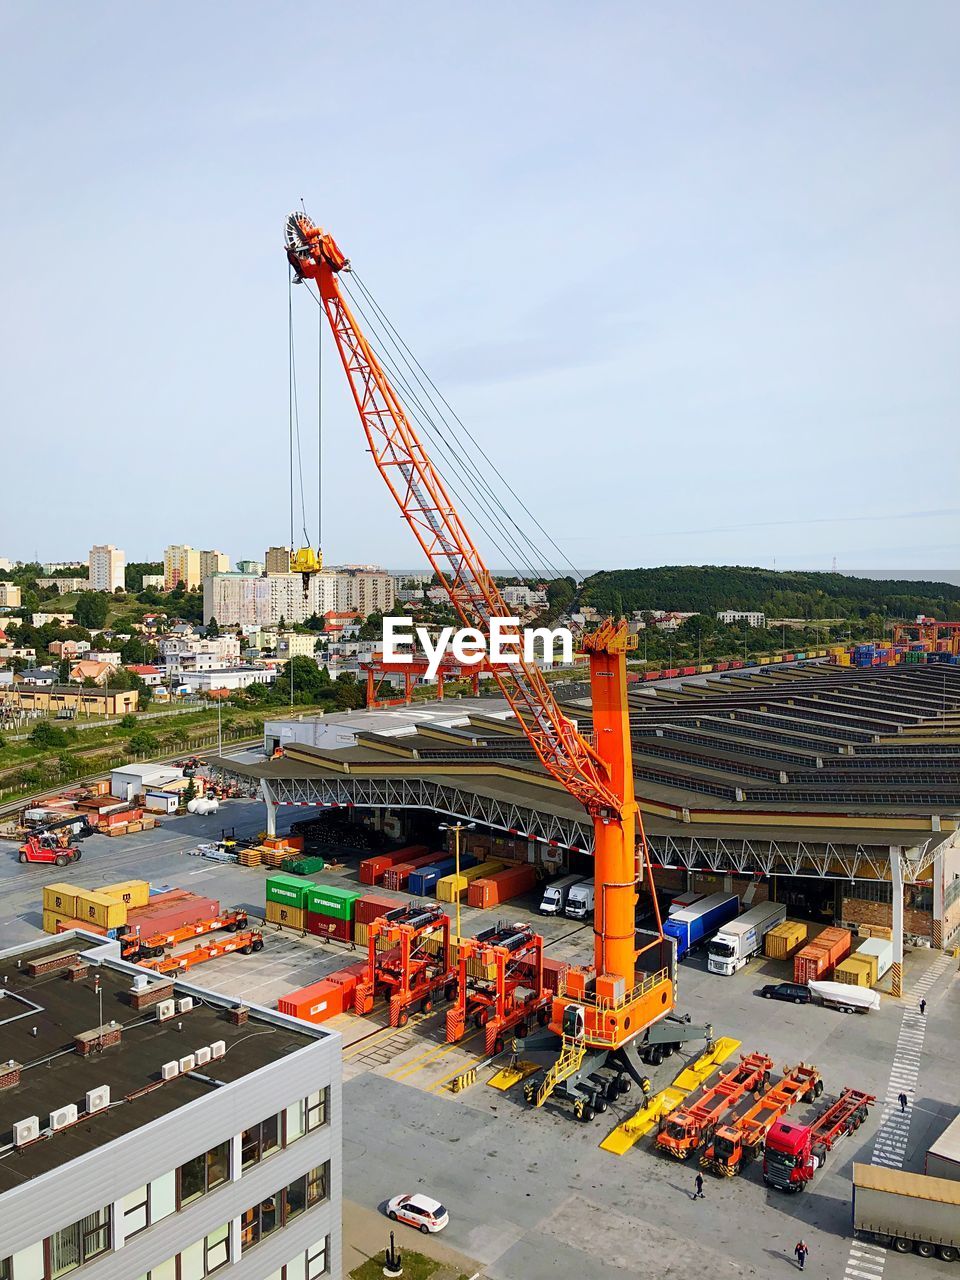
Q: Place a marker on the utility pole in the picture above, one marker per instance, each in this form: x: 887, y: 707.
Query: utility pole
x: 456, y: 828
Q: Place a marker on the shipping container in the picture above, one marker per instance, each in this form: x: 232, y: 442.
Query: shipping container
x: 288, y: 890
x: 373, y: 905
x: 783, y: 940
x: 97, y: 908
x: 316, y: 1003
x: 61, y: 898
x: 857, y: 973
x: 135, y: 893
x: 396, y: 876
x: 424, y: 879
x: 819, y: 957
x: 372, y: 870
x: 554, y: 973
x: 322, y: 926
x: 56, y: 922
x: 490, y: 891
x: 880, y: 951
x: 286, y: 917
x: 452, y: 887
x: 331, y: 900
x: 171, y: 910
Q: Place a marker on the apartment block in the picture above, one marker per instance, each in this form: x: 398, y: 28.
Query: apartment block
x: 9, y: 595
x: 212, y: 562
x: 277, y: 560
x: 155, y: 1130
x: 106, y: 565
x: 732, y: 616
x: 181, y: 564
x: 246, y: 599
x: 365, y: 589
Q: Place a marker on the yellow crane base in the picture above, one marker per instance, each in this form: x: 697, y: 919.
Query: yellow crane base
x: 646, y: 1118
x: 507, y: 1077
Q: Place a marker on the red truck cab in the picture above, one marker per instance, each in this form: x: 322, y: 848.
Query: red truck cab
x: 788, y: 1159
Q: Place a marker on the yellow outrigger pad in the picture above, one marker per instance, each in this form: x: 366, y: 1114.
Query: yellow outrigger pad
x: 507, y: 1077
x: 693, y: 1076
x: 641, y: 1122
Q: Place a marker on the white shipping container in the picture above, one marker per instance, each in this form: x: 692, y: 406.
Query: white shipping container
x: 882, y: 948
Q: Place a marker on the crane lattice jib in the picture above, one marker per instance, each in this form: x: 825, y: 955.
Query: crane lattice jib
x: 423, y: 499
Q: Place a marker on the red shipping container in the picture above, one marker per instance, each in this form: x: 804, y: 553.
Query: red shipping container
x: 347, y: 978
x: 397, y: 875
x: 501, y: 887
x: 373, y: 905
x: 166, y: 911
x: 554, y: 971
x: 316, y: 1003
x: 372, y: 870
x: 820, y: 956
x: 328, y: 927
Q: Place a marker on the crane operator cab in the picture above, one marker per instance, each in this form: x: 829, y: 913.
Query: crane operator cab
x: 574, y: 1027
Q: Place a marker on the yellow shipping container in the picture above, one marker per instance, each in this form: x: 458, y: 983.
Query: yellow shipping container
x: 51, y: 919
x: 853, y: 971
x: 135, y: 893
x: 784, y: 939
x: 61, y: 898
x: 872, y: 963
x: 361, y: 934
x: 97, y: 908
x: 289, y: 917
x: 448, y: 888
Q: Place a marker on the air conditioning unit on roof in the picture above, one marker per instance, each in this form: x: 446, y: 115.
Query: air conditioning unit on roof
x: 65, y: 1115
x: 185, y: 1005
x: 218, y: 1048
x: 204, y: 1055
x: 165, y: 1009
x: 188, y: 1063
x: 169, y: 1070
x: 98, y: 1098
x: 25, y: 1131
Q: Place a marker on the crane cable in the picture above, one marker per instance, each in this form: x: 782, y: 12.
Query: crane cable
x: 294, y: 411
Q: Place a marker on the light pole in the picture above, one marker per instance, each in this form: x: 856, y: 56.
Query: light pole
x: 456, y: 828
x: 219, y: 726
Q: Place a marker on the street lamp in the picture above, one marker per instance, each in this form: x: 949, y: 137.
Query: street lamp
x: 456, y: 828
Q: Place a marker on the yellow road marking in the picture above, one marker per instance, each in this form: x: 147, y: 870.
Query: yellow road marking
x: 428, y: 1059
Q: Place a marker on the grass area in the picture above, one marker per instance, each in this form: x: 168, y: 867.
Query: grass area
x: 415, y: 1267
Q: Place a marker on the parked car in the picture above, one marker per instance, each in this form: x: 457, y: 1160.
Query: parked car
x: 418, y: 1211
x: 794, y: 991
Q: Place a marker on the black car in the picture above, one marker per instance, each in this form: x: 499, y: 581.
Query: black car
x: 794, y: 991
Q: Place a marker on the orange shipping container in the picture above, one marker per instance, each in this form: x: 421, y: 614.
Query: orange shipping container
x: 819, y: 957
x: 316, y: 1003
x: 492, y: 890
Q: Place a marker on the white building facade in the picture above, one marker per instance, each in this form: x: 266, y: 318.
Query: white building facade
x: 107, y: 564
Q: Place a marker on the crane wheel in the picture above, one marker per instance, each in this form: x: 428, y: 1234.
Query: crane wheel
x: 403, y: 1018
x: 427, y: 1005
x: 587, y: 1114
x: 258, y: 944
x: 624, y: 1084
x: 818, y: 1088
x: 23, y: 857
x: 600, y: 1104
x: 498, y: 1045
x: 61, y: 860
x: 247, y: 950
x: 543, y: 1017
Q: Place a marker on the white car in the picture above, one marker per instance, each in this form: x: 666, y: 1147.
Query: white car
x: 418, y: 1211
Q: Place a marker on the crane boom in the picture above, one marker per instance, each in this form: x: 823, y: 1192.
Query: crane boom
x: 599, y: 776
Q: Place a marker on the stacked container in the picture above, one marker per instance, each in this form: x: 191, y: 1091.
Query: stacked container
x: 423, y: 881
x: 452, y: 887
x: 783, y: 939
x: 879, y: 952
x: 372, y: 870
x: 370, y: 907
x: 501, y: 887
x: 855, y: 972
x: 135, y: 893
x: 554, y: 973
x: 329, y: 911
x: 61, y: 898
x: 396, y: 876
x: 819, y: 957
x: 286, y: 900
x: 97, y: 908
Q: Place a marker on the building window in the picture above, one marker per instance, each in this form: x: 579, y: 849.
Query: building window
x: 317, y: 1108
x: 6, y: 1271
x: 317, y: 1259
x: 295, y: 1120
x: 165, y: 1271
x: 284, y: 1205
x: 204, y: 1172
x: 78, y: 1243
x: 260, y: 1141
x: 207, y: 1255
x: 261, y: 1221
x: 136, y: 1211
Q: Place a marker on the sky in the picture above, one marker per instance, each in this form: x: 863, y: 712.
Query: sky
x: 688, y: 272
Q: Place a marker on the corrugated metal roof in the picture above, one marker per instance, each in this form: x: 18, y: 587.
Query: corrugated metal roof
x: 874, y: 1177
x: 947, y: 1146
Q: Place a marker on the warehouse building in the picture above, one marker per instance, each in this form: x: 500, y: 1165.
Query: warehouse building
x: 152, y: 1129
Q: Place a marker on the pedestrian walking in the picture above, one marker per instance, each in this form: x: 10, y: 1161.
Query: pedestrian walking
x: 698, y: 1194
x: 902, y: 1099
x: 923, y: 1006
x: 801, y: 1251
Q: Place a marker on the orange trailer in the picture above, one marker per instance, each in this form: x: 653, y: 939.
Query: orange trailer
x: 742, y: 1140
x: 687, y: 1128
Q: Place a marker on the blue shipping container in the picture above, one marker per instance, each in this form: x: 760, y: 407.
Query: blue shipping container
x: 695, y: 924
x: 424, y: 879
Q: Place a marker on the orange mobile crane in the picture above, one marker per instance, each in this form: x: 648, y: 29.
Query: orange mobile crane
x: 513, y: 998
x: 605, y: 1009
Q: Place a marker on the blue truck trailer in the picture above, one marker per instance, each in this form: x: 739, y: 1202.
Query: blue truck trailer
x: 695, y: 924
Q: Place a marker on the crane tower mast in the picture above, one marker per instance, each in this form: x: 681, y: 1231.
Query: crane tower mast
x: 598, y: 773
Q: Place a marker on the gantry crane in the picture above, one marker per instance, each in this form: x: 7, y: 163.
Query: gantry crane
x: 604, y: 1009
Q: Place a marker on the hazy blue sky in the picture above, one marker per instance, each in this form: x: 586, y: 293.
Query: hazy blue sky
x: 690, y: 271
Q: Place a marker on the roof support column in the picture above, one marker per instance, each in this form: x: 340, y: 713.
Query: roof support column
x: 896, y: 876
x: 271, y: 803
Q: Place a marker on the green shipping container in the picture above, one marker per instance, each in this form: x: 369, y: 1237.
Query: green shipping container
x: 289, y: 891
x: 305, y: 866
x: 328, y: 900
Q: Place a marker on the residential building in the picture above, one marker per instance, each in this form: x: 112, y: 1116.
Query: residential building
x: 154, y: 581
x: 150, y: 675
x: 9, y: 595
x: 98, y: 672
x: 364, y: 588
x: 408, y: 595
x: 181, y: 564
x: 6, y: 566
x: 732, y: 616
x: 296, y: 644
x: 41, y: 619
x: 516, y: 597
x: 158, y: 1129
x: 277, y: 560
x: 195, y: 653
x: 230, y: 678
x: 65, y: 585
x: 212, y: 562
x: 246, y: 599
x: 110, y: 656
x: 107, y: 564
x: 58, y: 566
x: 70, y: 648
x: 42, y: 677
x: 255, y: 566
x: 335, y: 623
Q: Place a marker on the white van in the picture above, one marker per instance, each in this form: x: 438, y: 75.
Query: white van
x: 580, y: 901
x: 555, y: 896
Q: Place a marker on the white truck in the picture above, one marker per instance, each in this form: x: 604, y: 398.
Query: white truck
x: 580, y: 901
x: 907, y: 1211
x: 737, y: 941
x: 555, y: 896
